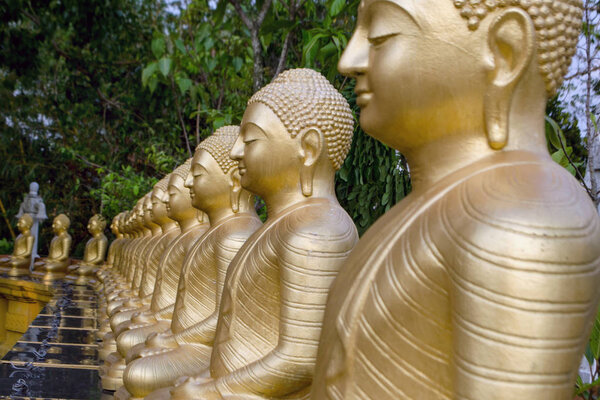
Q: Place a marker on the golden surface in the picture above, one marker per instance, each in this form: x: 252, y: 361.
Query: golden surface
x: 294, y: 135
x: 483, y: 282
x: 95, y: 250
x: 185, y: 348
x: 56, y: 264
x: 132, y: 325
x: 20, y: 259
x: 20, y: 303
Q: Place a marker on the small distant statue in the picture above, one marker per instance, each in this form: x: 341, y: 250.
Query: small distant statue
x: 95, y: 249
x: 34, y: 206
x: 20, y: 260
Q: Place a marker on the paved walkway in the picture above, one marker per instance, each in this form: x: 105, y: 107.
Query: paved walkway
x: 57, y: 358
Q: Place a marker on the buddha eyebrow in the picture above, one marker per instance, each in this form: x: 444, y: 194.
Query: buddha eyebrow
x: 407, y: 12
x: 261, y: 131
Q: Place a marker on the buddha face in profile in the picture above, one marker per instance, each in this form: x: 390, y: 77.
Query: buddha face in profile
x: 266, y: 162
x: 213, y: 179
x: 96, y: 224
x: 147, y: 206
x: 25, y: 223
x: 158, y: 197
x: 295, y: 131
x: 433, y: 68
x: 179, y: 201
x: 114, y: 225
x: 60, y: 224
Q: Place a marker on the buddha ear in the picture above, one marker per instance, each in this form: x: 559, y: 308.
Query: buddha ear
x: 511, y: 41
x: 236, y: 188
x: 311, y: 145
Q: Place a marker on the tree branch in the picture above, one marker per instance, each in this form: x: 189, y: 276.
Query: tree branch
x: 181, y: 121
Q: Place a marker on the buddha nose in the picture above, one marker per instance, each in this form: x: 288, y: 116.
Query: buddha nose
x: 189, y: 180
x: 237, y: 151
x: 355, y: 58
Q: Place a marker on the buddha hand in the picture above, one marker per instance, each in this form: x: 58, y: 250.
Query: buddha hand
x: 195, y: 388
x: 164, y: 340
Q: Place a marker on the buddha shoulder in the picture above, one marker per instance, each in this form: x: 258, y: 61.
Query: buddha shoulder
x: 529, y: 211
x: 320, y: 226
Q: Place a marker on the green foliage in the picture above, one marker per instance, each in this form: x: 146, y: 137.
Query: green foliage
x: 6, y: 246
x: 120, y: 191
x: 564, y: 139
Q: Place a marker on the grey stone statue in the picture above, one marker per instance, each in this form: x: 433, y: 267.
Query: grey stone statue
x: 34, y: 205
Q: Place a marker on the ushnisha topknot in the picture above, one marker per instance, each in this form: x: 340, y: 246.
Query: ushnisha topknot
x: 183, y: 170
x: 302, y: 98
x: 557, y: 25
x: 163, y: 184
x: 219, y: 144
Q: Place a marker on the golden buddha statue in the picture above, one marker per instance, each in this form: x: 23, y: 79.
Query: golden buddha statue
x: 94, y: 252
x: 120, y: 287
x: 106, y: 269
x: 109, y: 277
x: 113, y: 249
x: 123, y: 301
x: 55, y: 265
x: 157, y: 317
x: 483, y: 282
x: 125, y: 283
x: 185, y: 349
x: 294, y: 135
x: 20, y: 260
x: 169, y: 230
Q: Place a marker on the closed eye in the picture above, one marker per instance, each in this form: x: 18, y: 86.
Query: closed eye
x: 378, y: 40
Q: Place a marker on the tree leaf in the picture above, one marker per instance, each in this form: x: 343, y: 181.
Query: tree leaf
x: 158, y: 47
x: 179, y: 44
x: 183, y: 83
x: 164, y: 64
x: 237, y: 63
x: 152, y: 83
x: 148, y: 72
x: 336, y: 7
x: 554, y: 134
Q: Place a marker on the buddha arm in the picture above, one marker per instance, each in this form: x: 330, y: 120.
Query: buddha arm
x: 165, y: 313
x: 308, y: 266
x: 204, y: 331
x: 97, y: 254
x: 523, y: 290
x: 19, y: 251
x: 65, y: 247
x: 29, y: 247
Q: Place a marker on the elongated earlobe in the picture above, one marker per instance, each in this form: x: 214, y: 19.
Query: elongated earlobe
x: 236, y: 189
x: 311, y: 146
x: 511, y: 39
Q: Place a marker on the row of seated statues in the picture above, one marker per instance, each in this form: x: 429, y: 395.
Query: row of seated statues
x: 58, y: 263
x: 481, y: 284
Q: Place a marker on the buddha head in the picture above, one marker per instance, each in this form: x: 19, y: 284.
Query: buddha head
x: 214, y: 179
x: 433, y: 69
x: 295, y: 133
x: 147, y: 206
x: 158, y: 197
x: 34, y: 188
x: 179, y: 204
x: 139, y: 215
x: 114, y: 225
x: 25, y: 223
x: 60, y: 224
x: 96, y: 224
